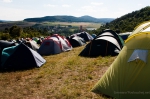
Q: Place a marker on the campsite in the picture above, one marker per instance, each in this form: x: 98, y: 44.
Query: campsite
x: 60, y: 71
x: 71, y: 62
x: 63, y: 76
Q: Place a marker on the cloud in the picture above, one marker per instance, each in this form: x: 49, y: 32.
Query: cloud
x: 7, y: 1
x: 65, y: 5
x: 87, y: 9
x: 50, y: 5
x: 96, y: 3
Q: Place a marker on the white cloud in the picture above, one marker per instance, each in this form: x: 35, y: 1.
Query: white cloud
x: 7, y: 1
x: 50, y: 5
x: 88, y: 9
x: 96, y: 3
x: 65, y: 5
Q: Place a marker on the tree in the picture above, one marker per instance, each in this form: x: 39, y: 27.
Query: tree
x: 15, y: 31
x: 5, y: 36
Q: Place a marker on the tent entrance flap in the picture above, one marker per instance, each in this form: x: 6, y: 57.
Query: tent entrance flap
x: 139, y: 54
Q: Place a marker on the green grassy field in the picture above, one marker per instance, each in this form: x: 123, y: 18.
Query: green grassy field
x: 63, y: 76
x: 75, y: 24
x: 29, y: 24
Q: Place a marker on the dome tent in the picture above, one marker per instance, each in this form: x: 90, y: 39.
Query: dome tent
x: 105, y: 44
x: 32, y: 44
x: 76, y: 41
x: 20, y: 57
x: 127, y: 77
x: 85, y: 35
x: 5, y: 44
x: 54, y: 44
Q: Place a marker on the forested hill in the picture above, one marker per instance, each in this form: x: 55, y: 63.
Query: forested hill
x: 69, y: 19
x: 128, y: 22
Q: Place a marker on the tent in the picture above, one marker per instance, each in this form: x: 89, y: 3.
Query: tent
x: 107, y: 43
x: 5, y: 44
x: 127, y: 77
x: 93, y: 35
x: 141, y: 27
x: 20, y: 57
x: 125, y: 35
x: 76, y: 41
x: 54, y: 44
x: 85, y: 35
x: 32, y: 44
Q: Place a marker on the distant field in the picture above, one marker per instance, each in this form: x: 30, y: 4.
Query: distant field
x: 22, y: 24
x: 84, y: 24
x: 29, y: 24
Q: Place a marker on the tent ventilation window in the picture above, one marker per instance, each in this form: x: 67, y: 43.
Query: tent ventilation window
x: 139, y: 54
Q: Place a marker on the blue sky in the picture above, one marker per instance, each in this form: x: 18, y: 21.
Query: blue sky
x: 16, y: 10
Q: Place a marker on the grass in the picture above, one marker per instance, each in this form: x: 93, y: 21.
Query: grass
x: 75, y: 24
x: 63, y: 76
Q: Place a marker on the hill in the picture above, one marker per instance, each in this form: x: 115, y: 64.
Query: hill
x: 128, y: 22
x: 69, y: 19
x: 3, y: 20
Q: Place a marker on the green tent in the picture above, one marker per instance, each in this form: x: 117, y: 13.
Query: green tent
x: 20, y: 57
x: 141, y: 27
x: 128, y: 76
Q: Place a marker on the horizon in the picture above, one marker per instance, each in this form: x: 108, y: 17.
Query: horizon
x: 55, y: 15
x: 14, y: 10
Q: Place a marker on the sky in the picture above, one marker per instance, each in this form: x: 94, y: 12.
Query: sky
x: 17, y: 10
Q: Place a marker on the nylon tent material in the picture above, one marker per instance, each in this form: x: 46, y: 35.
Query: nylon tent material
x: 50, y: 46
x: 107, y: 43
x: 86, y: 36
x: 20, y: 57
x: 126, y: 79
x: 32, y: 44
x: 141, y: 27
x: 54, y: 44
x: 5, y: 44
x: 76, y: 41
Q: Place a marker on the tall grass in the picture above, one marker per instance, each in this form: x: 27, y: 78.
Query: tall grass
x: 63, y: 76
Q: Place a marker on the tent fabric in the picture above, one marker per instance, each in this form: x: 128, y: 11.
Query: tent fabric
x: 76, y: 41
x: 110, y: 39
x: 93, y: 35
x: 141, y: 27
x: 125, y: 35
x: 20, y: 57
x: 54, y: 44
x: 139, y: 54
x: 5, y: 44
x: 108, y: 32
x: 85, y: 35
x: 128, y: 80
x: 64, y: 43
x: 50, y: 46
x: 32, y: 44
x: 103, y: 45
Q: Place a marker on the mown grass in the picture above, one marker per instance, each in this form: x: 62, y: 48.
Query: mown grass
x: 63, y: 76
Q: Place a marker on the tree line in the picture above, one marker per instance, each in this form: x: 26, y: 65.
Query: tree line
x: 128, y: 22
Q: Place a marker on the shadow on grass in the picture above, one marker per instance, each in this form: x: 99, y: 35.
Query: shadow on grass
x: 3, y: 70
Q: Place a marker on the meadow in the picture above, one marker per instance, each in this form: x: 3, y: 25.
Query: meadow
x: 74, y: 24
x: 28, y: 24
x: 63, y: 76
